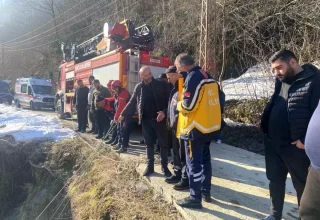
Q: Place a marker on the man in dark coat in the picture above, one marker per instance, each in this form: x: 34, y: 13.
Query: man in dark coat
x: 180, y: 176
x: 152, y: 97
x: 101, y: 117
x: 80, y: 100
x: 284, y: 123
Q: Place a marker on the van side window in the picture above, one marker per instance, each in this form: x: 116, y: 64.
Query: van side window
x: 24, y: 88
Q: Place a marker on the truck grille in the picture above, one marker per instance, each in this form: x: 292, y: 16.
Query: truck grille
x: 48, y: 99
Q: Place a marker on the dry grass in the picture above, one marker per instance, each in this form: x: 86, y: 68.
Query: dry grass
x: 110, y: 190
x: 102, y: 187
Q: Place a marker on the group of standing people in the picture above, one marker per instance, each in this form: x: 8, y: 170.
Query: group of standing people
x: 191, y: 109
x: 103, y: 105
x: 188, y: 112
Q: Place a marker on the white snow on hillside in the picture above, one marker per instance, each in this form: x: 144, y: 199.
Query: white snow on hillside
x: 25, y: 125
x: 257, y: 82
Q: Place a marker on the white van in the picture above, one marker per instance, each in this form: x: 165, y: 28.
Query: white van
x: 34, y: 93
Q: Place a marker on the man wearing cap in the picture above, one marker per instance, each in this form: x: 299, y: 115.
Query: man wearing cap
x: 99, y: 94
x: 180, y: 177
x: 123, y: 127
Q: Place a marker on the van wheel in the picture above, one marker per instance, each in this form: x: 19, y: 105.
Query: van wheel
x: 32, y: 106
x: 17, y: 104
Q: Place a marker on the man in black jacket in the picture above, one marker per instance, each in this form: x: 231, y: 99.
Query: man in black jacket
x: 101, y: 117
x: 284, y: 123
x: 80, y: 100
x: 180, y: 176
x: 152, y: 97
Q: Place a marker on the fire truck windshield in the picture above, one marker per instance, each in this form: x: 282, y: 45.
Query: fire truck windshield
x: 45, y: 90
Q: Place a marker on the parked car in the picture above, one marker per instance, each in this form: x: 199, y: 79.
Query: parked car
x: 5, y: 94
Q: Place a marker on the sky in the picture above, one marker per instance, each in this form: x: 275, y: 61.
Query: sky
x: 15, y: 21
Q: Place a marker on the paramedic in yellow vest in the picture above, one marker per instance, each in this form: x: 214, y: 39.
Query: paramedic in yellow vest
x: 199, y: 123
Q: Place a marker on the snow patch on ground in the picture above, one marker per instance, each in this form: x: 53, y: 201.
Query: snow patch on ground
x: 25, y: 125
x: 256, y: 83
x: 231, y: 123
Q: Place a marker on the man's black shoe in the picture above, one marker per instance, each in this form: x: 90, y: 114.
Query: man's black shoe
x: 90, y: 131
x: 173, y: 179
x: 82, y: 131
x: 207, y: 197
x: 182, y: 185
x: 99, y: 137
x: 166, y: 172
x: 142, y: 142
x: 77, y: 130
x: 189, y: 203
x: 148, y: 171
x: 110, y: 141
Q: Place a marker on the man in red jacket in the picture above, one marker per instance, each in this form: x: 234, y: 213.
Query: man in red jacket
x: 122, y: 98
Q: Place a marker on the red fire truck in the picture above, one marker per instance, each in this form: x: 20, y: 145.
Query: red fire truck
x: 116, y: 54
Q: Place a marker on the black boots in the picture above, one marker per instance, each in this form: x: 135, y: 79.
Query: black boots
x: 182, y: 185
x: 189, y: 203
x: 207, y: 197
x: 148, y: 171
x: 166, y: 172
x: 173, y: 179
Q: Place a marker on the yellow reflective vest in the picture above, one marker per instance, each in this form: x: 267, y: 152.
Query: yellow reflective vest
x: 199, y: 109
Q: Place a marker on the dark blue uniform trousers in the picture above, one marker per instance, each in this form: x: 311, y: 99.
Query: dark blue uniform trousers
x: 198, y: 167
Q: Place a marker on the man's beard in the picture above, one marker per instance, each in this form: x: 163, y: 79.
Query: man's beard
x: 287, y: 77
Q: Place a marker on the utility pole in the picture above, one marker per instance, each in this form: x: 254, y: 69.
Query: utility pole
x: 203, y: 62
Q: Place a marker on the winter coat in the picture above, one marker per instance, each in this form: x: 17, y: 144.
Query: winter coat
x: 160, y: 92
x: 81, y: 96
x: 200, y: 110
x: 303, y: 98
x: 102, y: 92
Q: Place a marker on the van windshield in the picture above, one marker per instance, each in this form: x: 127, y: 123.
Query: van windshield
x: 46, y: 90
x: 4, y: 89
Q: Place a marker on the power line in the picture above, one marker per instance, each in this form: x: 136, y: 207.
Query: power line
x: 30, y: 48
x: 44, y: 24
x: 20, y: 43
